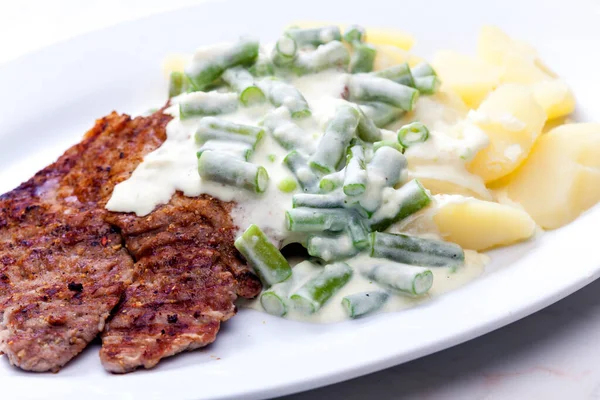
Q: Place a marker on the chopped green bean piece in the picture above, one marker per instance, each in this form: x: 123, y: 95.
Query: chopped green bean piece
x: 366, y: 87
x: 178, y: 83
x: 241, y: 150
x: 208, y: 64
x: 317, y: 291
x: 355, y: 179
x: 427, y: 84
x: 263, y: 256
x: 242, y: 82
x: 354, y: 33
x: 399, y: 73
x: 330, y: 55
x: 363, y: 58
x: 329, y: 200
x: 273, y: 303
x: 212, y: 128
x: 388, y: 143
x: 199, y: 104
x: 285, y: 51
x: 367, y: 130
x: 423, y: 69
x: 304, y: 219
x: 359, y: 304
x: 414, y: 281
x: 298, y: 165
x: 332, y: 146
x: 413, y: 133
x: 382, y: 114
x: 226, y: 169
x: 400, y: 204
x: 415, y: 250
x: 331, y: 247
x: 315, y: 36
x: 283, y: 94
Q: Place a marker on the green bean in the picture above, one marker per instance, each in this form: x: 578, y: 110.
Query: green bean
x: 412, y: 134
x: 332, y: 146
x: 298, y: 165
x: 331, y: 247
x: 366, y: 87
x: 367, y: 130
x: 423, y: 69
x: 388, y: 164
x: 240, y: 150
x: 415, y: 250
x: 358, y: 232
x: 388, y: 143
x: 317, y: 291
x: 355, y: 179
x: 199, y: 104
x: 399, y: 73
x: 226, y: 169
x: 263, y: 256
x: 329, y: 200
x: 212, y: 128
x: 354, y: 33
x: 414, y: 281
x: 209, y: 64
x: 315, y: 36
x: 382, y: 114
x: 286, y: 132
x: 283, y: 94
x: 363, y: 58
x: 332, y: 181
x: 285, y: 51
x: 262, y: 67
x: 404, y: 202
x: 242, y: 82
x: 304, y: 219
x: 178, y: 83
x: 273, y: 303
x: 359, y: 304
x: 427, y: 84
x: 330, y: 55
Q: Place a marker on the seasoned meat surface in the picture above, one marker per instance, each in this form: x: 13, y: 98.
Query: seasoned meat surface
x: 64, y: 266
x: 187, y: 277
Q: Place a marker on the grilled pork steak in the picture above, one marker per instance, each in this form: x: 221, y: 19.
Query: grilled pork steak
x: 63, y: 267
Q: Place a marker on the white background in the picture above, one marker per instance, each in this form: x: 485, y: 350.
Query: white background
x: 552, y: 354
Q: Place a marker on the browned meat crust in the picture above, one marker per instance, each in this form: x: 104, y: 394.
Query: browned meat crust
x: 187, y: 277
x: 62, y: 267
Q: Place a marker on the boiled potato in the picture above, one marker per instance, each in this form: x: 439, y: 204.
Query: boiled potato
x: 480, y: 225
x: 471, y: 78
x: 520, y: 63
x: 513, y: 120
x: 561, y: 177
x: 555, y: 97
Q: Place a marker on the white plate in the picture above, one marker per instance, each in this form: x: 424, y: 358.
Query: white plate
x: 49, y: 98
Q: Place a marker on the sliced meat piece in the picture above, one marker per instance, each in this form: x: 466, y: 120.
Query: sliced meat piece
x: 62, y: 267
x: 188, y: 275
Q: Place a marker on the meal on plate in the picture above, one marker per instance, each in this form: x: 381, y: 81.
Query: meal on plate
x: 330, y: 175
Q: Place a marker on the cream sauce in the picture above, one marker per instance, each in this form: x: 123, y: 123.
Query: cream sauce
x: 453, y: 141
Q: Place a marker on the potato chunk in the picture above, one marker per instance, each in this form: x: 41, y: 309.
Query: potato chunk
x: 481, y: 225
x: 521, y: 63
x: 512, y: 120
x: 561, y: 178
x: 471, y: 78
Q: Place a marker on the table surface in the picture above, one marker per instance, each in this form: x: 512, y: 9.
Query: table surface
x: 552, y: 354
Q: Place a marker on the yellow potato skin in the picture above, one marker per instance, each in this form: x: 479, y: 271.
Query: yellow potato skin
x: 561, y: 177
x: 480, y: 225
x: 510, y: 142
